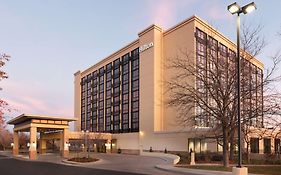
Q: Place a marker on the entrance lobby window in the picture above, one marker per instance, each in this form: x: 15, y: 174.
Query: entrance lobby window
x: 197, y: 145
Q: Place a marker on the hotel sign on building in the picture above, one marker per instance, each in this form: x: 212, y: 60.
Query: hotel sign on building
x: 145, y: 47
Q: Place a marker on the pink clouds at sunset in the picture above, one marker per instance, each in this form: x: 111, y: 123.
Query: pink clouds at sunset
x: 33, y: 99
x: 165, y: 13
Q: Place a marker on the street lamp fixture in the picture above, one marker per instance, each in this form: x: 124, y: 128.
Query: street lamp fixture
x: 236, y: 9
x: 233, y: 8
x: 249, y: 8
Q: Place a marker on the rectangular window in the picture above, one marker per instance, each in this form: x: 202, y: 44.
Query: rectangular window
x: 125, y: 88
x: 277, y: 146
x: 254, y: 144
x: 267, y: 145
x: 125, y: 98
x: 197, y: 145
x: 102, y: 92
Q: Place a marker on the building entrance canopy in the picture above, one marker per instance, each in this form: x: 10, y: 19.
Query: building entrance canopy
x: 41, y: 124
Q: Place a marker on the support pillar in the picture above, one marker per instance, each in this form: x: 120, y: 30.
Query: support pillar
x: 16, y: 143
x: 192, y: 158
x: 108, y: 146
x: 33, y: 143
x: 64, y: 143
x: 42, y: 144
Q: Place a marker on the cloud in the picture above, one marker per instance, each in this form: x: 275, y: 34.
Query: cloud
x: 31, y: 98
x: 215, y: 13
x: 165, y: 12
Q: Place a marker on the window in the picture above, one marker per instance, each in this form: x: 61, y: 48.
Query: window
x: 104, y: 107
x: 135, y: 106
x: 125, y: 88
x: 135, y: 64
x: 197, y: 145
x: 125, y: 108
x: 101, y: 88
x: 201, y: 35
x: 116, y: 100
x: 254, y: 144
x: 267, y: 145
x: 108, y: 93
x: 277, y: 146
x: 108, y: 111
x: 135, y: 74
x: 125, y: 68
x: 125, y: 78
x: 116, y: 90
x: 135, y: 85
x: 108, y: 102
x: 125, y: 98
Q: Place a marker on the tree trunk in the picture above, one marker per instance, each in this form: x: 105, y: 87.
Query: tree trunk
x: 232, y: 143
x: 225, y: 148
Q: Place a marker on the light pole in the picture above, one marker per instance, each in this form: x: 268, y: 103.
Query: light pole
x: 236, y: 9
x: 88, y: 145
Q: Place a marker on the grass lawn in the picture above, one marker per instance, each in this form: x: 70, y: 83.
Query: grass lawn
x: 272, y: 170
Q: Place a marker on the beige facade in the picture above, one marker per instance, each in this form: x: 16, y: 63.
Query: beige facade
x: 158, y: 127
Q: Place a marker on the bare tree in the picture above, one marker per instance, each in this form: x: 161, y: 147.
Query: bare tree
x: 212, y: 97
x: 3, y: 75
x: 204, y: 91
x: 5, y: 139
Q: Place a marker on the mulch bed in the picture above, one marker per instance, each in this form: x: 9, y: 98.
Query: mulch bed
x: 83, y: 159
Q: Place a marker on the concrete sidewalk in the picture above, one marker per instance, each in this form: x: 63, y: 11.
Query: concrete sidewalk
x: 171, y: 168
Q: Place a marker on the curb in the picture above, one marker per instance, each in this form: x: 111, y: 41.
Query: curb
x: 189, y: 170
x: 164, y: 156
x: 78, y: 163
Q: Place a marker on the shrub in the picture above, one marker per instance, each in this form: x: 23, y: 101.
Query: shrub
x: 217, y: 157
x: 119, y: 151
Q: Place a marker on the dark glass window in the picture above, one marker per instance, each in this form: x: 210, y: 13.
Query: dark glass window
x: 108, y: 93
x: 104, y: 107
x: 134, y: 91
x: 267, y: 145
x: 125, y: 88
x: 254, y: 144
x: 277, y: 146
x: 125, y: 98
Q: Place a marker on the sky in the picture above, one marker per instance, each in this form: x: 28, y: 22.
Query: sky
x: 50, y: 40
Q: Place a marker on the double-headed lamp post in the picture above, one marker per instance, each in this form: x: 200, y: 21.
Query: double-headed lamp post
x: 236, y: 9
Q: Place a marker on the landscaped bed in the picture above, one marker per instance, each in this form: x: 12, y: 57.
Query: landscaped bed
x: 83, y: 159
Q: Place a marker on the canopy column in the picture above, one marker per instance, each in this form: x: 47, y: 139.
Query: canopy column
x: 33, y: 143
x: 16, y: 143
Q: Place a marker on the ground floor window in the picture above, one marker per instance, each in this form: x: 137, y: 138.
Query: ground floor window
x: 267, y: 145
x: 277, y: 146
x: 197, y: 145
x: 254, y: 144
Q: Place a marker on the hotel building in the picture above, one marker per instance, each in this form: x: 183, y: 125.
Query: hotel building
x: 124, y: 94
